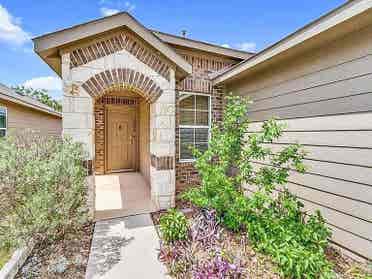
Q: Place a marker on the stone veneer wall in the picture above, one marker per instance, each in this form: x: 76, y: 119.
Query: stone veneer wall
x: 88, y: 79
x: 199, y: 82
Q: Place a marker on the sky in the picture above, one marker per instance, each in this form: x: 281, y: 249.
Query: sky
x: 249, y: 25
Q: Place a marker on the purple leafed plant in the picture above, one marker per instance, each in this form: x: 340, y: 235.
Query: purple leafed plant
x: 177, y: 256
x: 171, y: 253
x: 217, y: 268
x: 205, y: 228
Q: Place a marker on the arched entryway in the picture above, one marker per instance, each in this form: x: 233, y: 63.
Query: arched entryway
x: 122, y: 148
x: 122, y: 133
x: 122, y: 99
x: 114, y: 110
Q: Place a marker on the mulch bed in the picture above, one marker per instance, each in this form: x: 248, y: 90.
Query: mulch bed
x: 63, y: 258
x: 256, y: 265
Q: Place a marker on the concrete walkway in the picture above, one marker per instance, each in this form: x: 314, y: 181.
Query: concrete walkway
x: 125, y: 248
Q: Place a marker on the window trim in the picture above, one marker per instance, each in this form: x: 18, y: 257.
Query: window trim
x: 193, y: 126
x: 6, y: 120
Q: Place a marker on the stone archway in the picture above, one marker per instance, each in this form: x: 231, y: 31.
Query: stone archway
x: 120, y: 72
x: 122, y: 78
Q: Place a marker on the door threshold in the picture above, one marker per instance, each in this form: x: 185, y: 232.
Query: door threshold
x: 119, y: 171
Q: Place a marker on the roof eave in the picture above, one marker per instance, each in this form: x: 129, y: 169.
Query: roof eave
x: 50, y: 43
x: 335, y: 17
x: 29, y: 105
x: 203, y: 46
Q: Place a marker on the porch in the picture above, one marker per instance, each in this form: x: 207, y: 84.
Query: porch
x: 122, y: 194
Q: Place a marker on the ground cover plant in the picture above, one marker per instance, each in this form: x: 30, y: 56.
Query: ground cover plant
x: 243, y: 181
x: 211, y: 251
x: 42, y: 189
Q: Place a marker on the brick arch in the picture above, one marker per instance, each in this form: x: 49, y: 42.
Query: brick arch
x: 122, y: 78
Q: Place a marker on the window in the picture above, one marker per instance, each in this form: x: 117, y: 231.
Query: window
x: 195, y: 117
x: 3, y: 121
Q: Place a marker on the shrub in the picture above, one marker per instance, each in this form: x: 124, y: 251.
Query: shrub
x: 173, y: 226
x: 244, y: 181
x: 42, y: 187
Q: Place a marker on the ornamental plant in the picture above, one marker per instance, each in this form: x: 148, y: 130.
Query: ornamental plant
x: 42, y: 187
x: 173, y: 226
x: 217, y: 267
x: 244, y: 179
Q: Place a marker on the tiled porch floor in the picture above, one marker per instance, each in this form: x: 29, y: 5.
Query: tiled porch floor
x: 121, y: 194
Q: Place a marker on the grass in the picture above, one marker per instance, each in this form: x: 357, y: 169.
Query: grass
x: 4, y: 257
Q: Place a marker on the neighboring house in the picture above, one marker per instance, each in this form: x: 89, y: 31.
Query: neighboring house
x: 19, y: 112
x: 138, y: 98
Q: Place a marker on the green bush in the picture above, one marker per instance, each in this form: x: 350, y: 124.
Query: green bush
x: 42, y: 187
x: 244, y: 181
x: 173, y: 226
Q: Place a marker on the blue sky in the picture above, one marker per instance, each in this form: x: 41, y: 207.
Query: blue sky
x: 250, y: 25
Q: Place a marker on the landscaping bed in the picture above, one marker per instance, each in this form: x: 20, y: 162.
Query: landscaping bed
x: 62, y: 258
x: 244, y: 222
x: 44, y: 201
x: 222, y: 253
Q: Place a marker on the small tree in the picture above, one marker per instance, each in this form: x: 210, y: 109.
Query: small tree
x: 238, y: 162
x: 39, y: 94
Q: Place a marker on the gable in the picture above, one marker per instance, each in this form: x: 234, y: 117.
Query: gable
x: 49, y: 46
x: 121, y: 40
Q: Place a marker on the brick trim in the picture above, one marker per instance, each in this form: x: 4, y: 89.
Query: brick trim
x: 118, y: 42
x: 122, y: 78
x: 199, y: 81
x: 162, y: 163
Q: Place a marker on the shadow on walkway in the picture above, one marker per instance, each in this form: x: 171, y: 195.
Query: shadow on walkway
x: 125, y: 248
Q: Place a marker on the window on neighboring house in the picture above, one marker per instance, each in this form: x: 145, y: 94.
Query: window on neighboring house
x: 3, y: 121
x: 195, y: 118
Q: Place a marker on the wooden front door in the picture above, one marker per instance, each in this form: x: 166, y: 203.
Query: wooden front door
x: 121, y: 138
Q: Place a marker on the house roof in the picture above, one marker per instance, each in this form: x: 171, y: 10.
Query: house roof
x: 47, y: 46
x: 322, y: 29
x: 200, y: 45
x: 10, y: 95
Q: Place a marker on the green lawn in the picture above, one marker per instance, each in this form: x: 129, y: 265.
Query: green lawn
x: 4, y: 257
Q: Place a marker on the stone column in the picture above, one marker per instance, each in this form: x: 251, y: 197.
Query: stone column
x: 77, y: 121
x: 77, y: 110
x: 162, y: 147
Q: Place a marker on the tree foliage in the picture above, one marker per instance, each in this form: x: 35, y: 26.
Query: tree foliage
x: 39, y: 94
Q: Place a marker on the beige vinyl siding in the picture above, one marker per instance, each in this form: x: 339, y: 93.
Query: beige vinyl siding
x: 20, y: 118
x: 325, y: 98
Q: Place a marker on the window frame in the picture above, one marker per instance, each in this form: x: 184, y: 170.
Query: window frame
x: 6, y: 119
x: 180, y: 126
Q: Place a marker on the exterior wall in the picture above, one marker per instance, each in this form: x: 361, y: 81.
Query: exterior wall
x: 20, y: 118
x: 325, y: 98
x: 144, y: 140
x: 203, y: 64
x: 78, y: 106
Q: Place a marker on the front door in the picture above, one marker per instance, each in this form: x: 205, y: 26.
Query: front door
x: 121, y: 138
